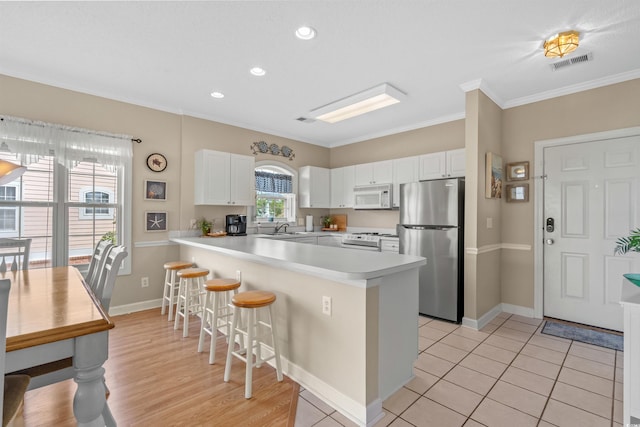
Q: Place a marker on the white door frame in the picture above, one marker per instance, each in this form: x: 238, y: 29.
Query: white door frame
x: 538, y: 181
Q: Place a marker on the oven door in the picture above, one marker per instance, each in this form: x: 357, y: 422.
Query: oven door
x: 360, y: 247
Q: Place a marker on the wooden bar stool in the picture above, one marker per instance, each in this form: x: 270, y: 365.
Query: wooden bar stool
x: 216, y: 307
x: 252, y: 300
x: 190, y: 293
x: 171, y: 285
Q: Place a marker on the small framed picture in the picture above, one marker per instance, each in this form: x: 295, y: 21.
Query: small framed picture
x: 155, y: 190
x: 518, y: 193
x: 518, y: 171
x: 155, y: 221
x: 493, y: 179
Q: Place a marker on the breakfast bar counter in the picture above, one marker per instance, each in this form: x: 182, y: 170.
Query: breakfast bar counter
x: 364, y: 348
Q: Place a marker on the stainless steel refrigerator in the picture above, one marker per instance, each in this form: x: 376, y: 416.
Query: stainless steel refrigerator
x: 431, y: 225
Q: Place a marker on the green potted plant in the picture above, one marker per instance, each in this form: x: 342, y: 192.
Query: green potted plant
x: 327, y: 221
x: 204, y: 225
x: 630, y: 243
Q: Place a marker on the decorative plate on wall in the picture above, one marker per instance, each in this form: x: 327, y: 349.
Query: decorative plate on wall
x: 156, y: 162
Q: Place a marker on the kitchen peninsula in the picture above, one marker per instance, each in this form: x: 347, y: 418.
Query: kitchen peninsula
x: 359, y: 354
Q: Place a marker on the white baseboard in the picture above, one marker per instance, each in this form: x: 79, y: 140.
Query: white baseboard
x: 138, y: 306
x: 348, y: 407
x: 480, y: 323
x: 491, y: 314
x: 518, y: 309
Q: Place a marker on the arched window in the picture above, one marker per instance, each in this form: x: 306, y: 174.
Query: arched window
x: 276, y: 189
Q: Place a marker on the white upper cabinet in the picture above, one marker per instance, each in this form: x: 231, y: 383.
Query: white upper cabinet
x: 342, y: 183
x: 224, y: 178
x: 444, y: 164
x: 404, y: 170
x: 456, y: 160
x: 314, y: 186
x: 374, y: 173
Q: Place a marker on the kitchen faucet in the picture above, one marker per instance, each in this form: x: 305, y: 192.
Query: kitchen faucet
x: 280, y: 226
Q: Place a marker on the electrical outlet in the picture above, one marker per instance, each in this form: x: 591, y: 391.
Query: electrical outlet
x: 489, y: 222
x: 144, y: 282
x: 326, y: 305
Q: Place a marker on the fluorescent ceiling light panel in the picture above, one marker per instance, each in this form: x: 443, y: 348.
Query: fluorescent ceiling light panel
x: 363, y: 102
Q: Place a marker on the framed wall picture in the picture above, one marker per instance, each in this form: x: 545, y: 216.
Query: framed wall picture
x: 494, y: 176
x: 517, y: 192
x: 155, y: 221
x: 155, y: 190
x: 518, y: 171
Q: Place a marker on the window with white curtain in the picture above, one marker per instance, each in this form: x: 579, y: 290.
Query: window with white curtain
x: 76, y: 190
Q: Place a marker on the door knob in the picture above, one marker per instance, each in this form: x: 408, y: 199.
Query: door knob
x: 549, y: 241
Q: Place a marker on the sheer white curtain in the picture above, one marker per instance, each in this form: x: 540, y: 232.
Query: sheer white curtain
x: 35, y: 139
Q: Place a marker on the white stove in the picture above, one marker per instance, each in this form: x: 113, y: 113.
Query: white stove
x: 364, y: 241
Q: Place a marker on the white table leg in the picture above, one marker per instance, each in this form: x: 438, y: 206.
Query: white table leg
x: 89, y: 402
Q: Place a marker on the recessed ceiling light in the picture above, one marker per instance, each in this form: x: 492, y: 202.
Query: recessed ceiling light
x: 218, y: 95
x: 257, y: 71
x: 305, y: 33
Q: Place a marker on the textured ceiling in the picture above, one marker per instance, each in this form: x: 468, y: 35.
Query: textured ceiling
x: 171, y: 55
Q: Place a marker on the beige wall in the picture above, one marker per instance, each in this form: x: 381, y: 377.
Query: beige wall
x: 442, y: 137
x: 606, y: 108
x: 611, y: 107
x: 175, y: 136
x: 445, y: 136
x: 198, y: 134
x: 482, y: 268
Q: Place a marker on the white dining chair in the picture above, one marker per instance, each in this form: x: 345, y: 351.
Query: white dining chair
x: 13, y: 387
x: 97, y: 263
x: 14, y: 254
x: 108, y: 275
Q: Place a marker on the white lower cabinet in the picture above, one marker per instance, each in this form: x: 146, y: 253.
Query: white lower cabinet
x: 312, y: 240
x: 631, y: 388
x: 332, y: 240
x: 389, y: 245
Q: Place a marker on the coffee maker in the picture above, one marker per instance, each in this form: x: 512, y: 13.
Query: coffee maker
x: 236, y: 225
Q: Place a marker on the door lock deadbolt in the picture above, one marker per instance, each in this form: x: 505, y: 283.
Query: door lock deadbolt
x: 550, y: 225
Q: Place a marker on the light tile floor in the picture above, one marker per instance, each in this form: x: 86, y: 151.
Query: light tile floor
x: 507, y: 374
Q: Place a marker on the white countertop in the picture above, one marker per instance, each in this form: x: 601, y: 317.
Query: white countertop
x: 322, y: 261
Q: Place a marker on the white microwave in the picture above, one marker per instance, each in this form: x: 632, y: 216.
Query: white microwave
x: 376, y: 196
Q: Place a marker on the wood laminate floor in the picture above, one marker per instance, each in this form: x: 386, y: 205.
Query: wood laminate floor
x: 157, y: 378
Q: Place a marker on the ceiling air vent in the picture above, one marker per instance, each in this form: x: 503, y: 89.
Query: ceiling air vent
x: 571, y: 61
x: 305, y: 120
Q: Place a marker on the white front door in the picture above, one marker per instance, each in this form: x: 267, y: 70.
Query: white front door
x: 591, y: 198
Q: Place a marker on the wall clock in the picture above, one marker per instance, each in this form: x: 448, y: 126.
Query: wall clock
x: 156, y: 162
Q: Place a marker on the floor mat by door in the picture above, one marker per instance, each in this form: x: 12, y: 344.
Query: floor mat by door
x: 589, y: 336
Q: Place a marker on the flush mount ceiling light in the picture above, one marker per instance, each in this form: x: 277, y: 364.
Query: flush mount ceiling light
x: 305, y: 33
x: 257, y: 71
x: 363, y: 102
x: 561, y: 44
x: 217, y: 95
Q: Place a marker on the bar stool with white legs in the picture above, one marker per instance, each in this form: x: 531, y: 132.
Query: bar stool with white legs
x: 216, y: 309
x: 190, y: 295
x: 252, y: 301
x: 171, y: 285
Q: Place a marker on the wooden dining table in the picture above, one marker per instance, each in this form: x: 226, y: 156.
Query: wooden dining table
x: 53, y: 316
